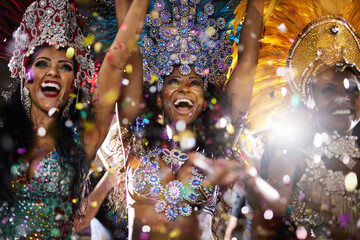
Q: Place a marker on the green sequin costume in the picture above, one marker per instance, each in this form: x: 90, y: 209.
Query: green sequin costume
x: 45, y: 206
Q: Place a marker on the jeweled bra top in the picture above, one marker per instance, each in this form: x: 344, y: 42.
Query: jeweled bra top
x: 320, y: 200
x: 44, y: 206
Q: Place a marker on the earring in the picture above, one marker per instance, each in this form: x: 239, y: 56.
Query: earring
x: 26, y: 100
x: 66, y: 109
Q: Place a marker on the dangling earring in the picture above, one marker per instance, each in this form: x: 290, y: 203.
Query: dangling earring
x: 66, y: 109
x: 26, y: 100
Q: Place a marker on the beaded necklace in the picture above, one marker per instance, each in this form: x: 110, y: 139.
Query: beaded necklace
x: 175, y: 197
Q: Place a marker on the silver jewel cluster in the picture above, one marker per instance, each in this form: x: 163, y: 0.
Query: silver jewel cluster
x: 50, y: 22
x: 185, y: 36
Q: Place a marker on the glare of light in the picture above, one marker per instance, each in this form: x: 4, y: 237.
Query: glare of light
x: 222, y: 123
x: 286, y: 179
x: 41, y: 131
x: 52, y: 111
x: 346, y: 159
x: 169, y: 131
x: 187, y: 142
x: 270, y: 63
x: 282, y: 28
x: 152, y: 89
x: 245, y: 210
x: 346, y: 83
x: 351, y: 181
x: 270, y: 193
x: 180, y: 125
x: 230, y: 128
x: 280, y: 71
x: 283, y: 91
x: 146, y: 228
x: 68, y: 123
x: 310, y: 103
x: 125, y: 82
x: 125, y: 121
x: 268, y: 214
x: 252, y: 172
x: 317, y: 158
x: 317, y: 140
x: 97, y: 47
x: 301, y: 233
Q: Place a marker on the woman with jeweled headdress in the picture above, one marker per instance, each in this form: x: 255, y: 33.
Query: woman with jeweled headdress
x: 51, y: 126
x: 314, y: 166
x: 186, y: 52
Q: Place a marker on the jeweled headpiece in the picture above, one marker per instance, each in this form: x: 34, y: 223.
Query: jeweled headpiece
x: 328, y: 41
x: 280, y: 69
x: 191, y: 34
x: 50, y: 22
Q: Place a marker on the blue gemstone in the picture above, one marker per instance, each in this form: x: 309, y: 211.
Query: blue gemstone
x: 192, y: 196
x: 153, y: 179
x: 152, y: 166
x: 185, y: 209
x: 183, y: 31
x: 166, y: 16
x: 202, y: 18
x: 171, y: 212
x: 196, y: 182
x: 156, y: 190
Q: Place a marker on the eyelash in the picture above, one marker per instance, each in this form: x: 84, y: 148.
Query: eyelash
x: 44, y: 64
x: 41, y: 64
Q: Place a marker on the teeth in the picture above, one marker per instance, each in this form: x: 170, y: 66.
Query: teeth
x: 183, y: 100
x: 50, y: 84
x: 341, y: 111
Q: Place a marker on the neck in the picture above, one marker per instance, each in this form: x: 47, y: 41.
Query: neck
x: 41, y: 119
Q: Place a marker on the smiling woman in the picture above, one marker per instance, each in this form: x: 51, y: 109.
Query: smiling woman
x: 52, y: 127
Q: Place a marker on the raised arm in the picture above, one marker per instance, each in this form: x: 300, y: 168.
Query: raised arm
x: 111, y: 75
x: 240, y: 86
x: 129, y: 104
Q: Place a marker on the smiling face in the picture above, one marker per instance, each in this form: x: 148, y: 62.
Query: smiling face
x: 182, y: 97
x: 53, y: 77
x: 336, y: 95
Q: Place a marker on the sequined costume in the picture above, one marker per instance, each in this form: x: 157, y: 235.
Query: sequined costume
x: 45, y: 206
x: 320, y: 200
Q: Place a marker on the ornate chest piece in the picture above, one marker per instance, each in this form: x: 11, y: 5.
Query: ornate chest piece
x: 175, y: 197
x: 343, y: 148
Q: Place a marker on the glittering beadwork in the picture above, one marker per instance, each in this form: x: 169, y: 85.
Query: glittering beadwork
x: 326, y: 190
x: 171, y: 198
x: 50, y: 22
x: 44, y: 206
x: 327, y: 41
x: 175, y: 158
x: 180, y: 33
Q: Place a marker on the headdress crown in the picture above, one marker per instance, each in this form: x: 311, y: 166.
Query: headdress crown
x: 191, y: 34
x: 50, y: 22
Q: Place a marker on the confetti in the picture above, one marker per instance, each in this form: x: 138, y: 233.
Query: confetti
x: 70, y: 52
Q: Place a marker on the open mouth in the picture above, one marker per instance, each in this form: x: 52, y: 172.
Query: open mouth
x: 183, y: 104
x: 342, y: 111
x: 50, y: 88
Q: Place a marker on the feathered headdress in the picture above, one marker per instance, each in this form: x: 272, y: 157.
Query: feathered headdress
x: 289, y: 51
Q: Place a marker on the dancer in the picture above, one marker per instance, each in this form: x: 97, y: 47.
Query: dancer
x: 186, y: 53
x: 52, y: 128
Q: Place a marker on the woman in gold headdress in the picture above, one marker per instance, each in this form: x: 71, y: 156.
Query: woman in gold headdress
x: 317, y: 181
